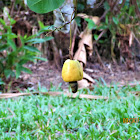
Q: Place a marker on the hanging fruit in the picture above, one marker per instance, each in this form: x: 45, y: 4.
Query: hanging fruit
x: 72, y: 72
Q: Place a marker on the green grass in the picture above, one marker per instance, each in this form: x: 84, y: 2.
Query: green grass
x: 41, y: 117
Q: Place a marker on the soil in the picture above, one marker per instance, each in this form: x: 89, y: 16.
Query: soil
x: 47, y: 74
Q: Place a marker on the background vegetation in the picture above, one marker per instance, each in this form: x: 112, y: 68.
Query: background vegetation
x: 28, y: 37
x: 116, y: 38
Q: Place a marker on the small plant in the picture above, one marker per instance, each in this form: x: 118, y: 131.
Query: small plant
x: 13, y: 57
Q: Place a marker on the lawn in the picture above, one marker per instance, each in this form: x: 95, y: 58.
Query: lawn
x: 46, y: 117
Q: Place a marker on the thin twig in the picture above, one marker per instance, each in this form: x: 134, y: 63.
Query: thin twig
x: 70, y: 52
x: 120, y: 7
x: 100, y: 35
x: 95, y: 42
x: 99, y: 4
x: 68, y: 94
x: 73, y: 41
x: 60, y: 27
x: 19, y: 9
x: 134, y: 2
x: 12, y: 9
x: 99, y: 58
x: 104, y: 14
x: 136, y: 38
x: 71, y: 95
x: 11, y: 95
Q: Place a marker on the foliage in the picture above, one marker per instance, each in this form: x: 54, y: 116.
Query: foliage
x: 126, y: 15
x: 13, y: 57
x: 44, y: 6
x: 47, y: 117
x: 119, y: 23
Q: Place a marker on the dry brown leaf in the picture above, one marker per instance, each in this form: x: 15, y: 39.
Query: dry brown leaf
x: 82, y: 15
x: 87, y: 81
x: 80, y: 55
x: 86, y: 76
x: 130, y: 39
x: 85, y: 45
x: 89, y: 70
x: 86, y: 39
x: 95, y: 19
x: 125, y: 29
x: 83, y: 83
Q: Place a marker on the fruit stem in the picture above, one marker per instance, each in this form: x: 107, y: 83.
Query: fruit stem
x: 74, y: 86
x: 73, y: 14
x: 70, y: 53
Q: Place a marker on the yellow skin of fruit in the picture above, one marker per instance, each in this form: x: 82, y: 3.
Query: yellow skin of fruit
x: 72, y: 71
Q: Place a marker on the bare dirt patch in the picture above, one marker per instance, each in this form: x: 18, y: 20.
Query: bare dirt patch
x: 46, y: 74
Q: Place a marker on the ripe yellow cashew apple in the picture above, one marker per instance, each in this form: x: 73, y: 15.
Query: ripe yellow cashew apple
x: 72, y: 72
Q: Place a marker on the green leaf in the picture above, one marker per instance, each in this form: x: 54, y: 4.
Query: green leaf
x: 8, y: 73
x: 11, y: 35
x: 23, y: 61
x: 106, y: 5
x: 3, y: 47
x: 2, y: 22
x: 18, y: 70
x: 1, y: 82
x: 12, y: 44
x: 41, y: 25
x: 40, y: 40
x: 26, y: 58
x: 116, y: 21
x: 78, y: 21
x: 91, y: 24
x: 31, y: 48
x: 102, y: 27
x: 101, y: 41
x: 44, y: 6
x: 11, y: 58
x: 41, y: 58
x: 26, y: 70
x: 12, y: 21
x: 22, y: 40
x: 131, y: 10
x: 80, y: 7
x: 106, y: 19
x: 1, y: 66
x: 95, y: 36
x: 45, y: 29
